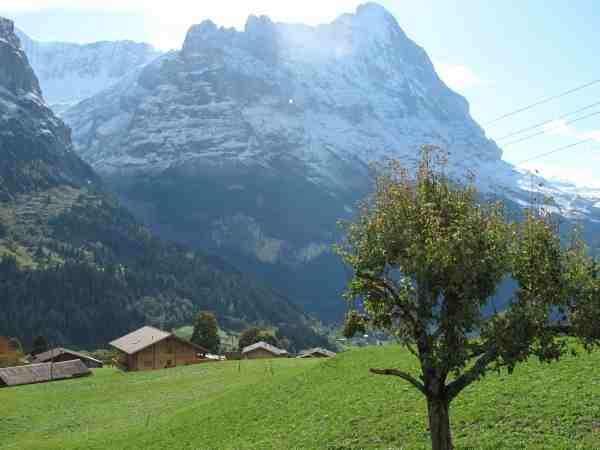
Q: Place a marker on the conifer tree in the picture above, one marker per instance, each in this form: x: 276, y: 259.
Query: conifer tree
x: 206, y: 332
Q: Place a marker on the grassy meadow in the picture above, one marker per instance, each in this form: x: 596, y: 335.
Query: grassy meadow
x: 308, y: 404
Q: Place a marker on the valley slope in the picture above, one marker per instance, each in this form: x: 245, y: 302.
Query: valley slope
x: 75, y: 265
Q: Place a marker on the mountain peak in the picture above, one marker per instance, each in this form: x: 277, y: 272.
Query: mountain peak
x: 7, y: 29
x: 378, y: 22
x: 204, y: 36
x: 373, y: 9
x: 257, y: 23
x: 261, y: 38
x: 16, y: 74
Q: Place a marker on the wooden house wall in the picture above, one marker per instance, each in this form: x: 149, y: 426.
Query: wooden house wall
x: 167, y: 353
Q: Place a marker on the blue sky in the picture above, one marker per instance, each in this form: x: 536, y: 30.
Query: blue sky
x: 500, y: 55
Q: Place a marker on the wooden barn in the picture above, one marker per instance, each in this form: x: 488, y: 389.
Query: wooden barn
x: 64, y: 354
x: 41, y: 373
x: 263, y: 350
x: 150, y: 348
x: 317, y: 352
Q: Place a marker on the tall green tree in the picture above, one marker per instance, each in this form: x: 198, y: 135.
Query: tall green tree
x: 206, y: 332
x: 253, y: 335
x: 427, y: 255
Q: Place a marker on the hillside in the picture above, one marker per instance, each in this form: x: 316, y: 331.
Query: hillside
x: 262, y: 137
x: 78, y: 267
x: 301, y: 404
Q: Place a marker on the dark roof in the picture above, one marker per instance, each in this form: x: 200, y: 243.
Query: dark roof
x: 316, y: 351
x: 56, y: 352
x: 38, y: 373
x: 145, y: 337
x: 265, y: 346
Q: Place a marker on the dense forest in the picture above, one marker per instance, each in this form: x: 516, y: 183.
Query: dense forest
x: 91, y: 272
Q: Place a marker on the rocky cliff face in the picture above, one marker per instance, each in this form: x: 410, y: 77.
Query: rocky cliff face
x: 254, y: 143
x: 71, y: 72
x: 36, y: 147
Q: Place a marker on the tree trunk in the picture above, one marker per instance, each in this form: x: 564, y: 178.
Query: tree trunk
x: 439, y: 423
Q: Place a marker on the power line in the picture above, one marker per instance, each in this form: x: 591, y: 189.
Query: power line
x: 541, y: 102
x: 556, y: 150
x: 551, y: 129
x: 541, y: 124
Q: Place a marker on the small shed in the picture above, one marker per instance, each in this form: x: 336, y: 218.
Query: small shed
x: 317, y: 352
x: 150, y: 348
x: 263, y: 350
x: 41, y: 373
x: 64, y: 354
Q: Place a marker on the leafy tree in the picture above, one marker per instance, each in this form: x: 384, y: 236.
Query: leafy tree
x: 253, y: 335
x: 248, y: 337
x: 206, y: 332
x: 269, y: 338
x: 427, y: 255
x: 40, y: 345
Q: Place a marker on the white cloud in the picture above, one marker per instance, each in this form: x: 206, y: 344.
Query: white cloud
x: 578, y: 166
x: 459, y: 77
x: 577, y: 176
x: 563, y: 129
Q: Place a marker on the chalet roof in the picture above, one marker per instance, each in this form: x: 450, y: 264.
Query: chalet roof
x: 139, y: 339
x: 56, y: 352
x: 145, y: 337
x: 265, y: 346
x: 316, y: 351
x: 37, y: 373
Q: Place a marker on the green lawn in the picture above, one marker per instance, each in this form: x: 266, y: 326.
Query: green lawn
x: 313, y: 404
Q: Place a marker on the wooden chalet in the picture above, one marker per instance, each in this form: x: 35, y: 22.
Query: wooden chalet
x: 263, y: 350
x: 64, y: 354
x: 42, y: 373
x: 317, y: 352
x: 150, y: 348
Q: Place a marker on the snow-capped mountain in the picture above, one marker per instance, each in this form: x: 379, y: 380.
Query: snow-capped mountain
x: 113, y: 274
x: 255, y: 142
x: 71, y: 72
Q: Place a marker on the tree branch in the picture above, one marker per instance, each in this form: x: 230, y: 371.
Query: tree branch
x: 473, y: 374
x: 385, y: 286
x: 405, y: 376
